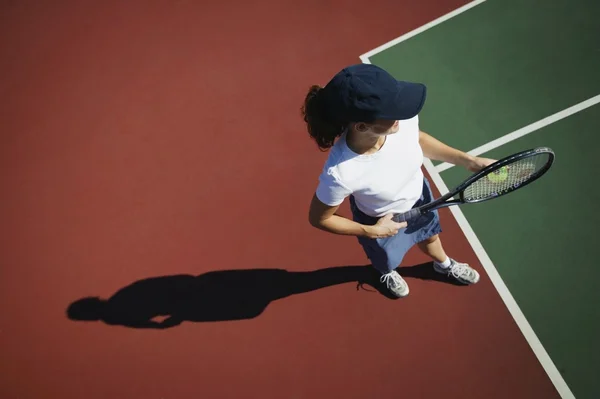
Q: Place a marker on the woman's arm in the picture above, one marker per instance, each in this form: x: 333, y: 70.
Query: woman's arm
x: 325, y: 217
x: 438, y: 151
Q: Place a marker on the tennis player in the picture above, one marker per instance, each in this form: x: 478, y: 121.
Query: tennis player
x: 370, y: 123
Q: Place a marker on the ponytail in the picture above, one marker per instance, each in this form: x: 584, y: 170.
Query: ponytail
x: 320, y: 127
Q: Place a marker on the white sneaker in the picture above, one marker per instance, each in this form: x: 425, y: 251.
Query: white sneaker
x: 395, y: 283
x: 460, y: 271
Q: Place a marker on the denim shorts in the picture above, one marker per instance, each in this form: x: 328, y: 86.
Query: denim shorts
x: 386, y: 254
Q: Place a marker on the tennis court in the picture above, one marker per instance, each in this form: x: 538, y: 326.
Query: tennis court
x: 505, y: 76
x: 154, y: 159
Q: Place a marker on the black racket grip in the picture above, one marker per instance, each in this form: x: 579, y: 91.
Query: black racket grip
x: 406, y: 216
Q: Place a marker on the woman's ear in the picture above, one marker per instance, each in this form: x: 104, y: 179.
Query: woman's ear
x: 361, y: 127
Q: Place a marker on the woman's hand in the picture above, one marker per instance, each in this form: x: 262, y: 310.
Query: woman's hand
x: 475, y: 164
x: 385, y: 227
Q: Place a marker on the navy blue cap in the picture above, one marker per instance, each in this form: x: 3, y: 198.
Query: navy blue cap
x: 365, y: 92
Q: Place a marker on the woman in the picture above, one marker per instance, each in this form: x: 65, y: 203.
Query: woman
x: 370, y: 123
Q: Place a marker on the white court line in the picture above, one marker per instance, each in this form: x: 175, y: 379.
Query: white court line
x: 514, y: 309
x: 526, y: 130
x: 421, y: 29
x: 512, y: 306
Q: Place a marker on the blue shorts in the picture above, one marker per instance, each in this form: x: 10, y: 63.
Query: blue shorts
x: 386, y: 254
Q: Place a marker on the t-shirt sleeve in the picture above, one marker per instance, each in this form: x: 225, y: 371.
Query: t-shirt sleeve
x: 330, y: 190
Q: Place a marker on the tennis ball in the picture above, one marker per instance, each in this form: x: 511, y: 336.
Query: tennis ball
x: 498, y: 176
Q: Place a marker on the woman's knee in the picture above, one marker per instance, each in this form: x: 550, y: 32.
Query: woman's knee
x: 430, y: 240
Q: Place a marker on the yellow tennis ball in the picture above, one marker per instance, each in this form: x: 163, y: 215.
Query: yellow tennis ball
x: 498, y: 176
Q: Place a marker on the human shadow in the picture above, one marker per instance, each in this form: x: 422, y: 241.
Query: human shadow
x: 225, y: 295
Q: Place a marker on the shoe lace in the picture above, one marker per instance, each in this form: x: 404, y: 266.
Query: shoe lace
x: 459, y: 270
x: 392, y: 279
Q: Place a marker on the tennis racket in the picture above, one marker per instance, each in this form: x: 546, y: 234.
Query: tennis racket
x: 500, y: 178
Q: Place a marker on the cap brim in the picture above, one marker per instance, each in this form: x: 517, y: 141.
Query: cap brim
x: 409, y: 101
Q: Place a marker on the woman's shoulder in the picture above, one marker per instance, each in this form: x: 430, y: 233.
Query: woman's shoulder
x: 337, y: 153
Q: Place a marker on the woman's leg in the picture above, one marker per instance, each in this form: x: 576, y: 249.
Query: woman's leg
x: 432, y: 247
x: 379, y: 256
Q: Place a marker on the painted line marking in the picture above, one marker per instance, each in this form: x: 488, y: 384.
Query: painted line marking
x: 421, y: 29
x: 514, y: 309
x: 526, y: 130
x: 512, y: 306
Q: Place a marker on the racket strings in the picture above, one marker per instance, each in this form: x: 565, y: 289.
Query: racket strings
x: 507, y: 179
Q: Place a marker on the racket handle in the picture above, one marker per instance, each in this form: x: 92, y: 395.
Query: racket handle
x: 406, y: 216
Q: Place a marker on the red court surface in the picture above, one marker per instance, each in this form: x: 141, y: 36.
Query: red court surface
x: 163, y: 139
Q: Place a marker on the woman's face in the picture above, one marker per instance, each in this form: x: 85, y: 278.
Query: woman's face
x: 384, y: 127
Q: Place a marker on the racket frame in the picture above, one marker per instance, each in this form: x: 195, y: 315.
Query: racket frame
x: 445, y: 201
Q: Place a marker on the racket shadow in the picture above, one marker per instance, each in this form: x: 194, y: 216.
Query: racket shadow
x: 166, y: 301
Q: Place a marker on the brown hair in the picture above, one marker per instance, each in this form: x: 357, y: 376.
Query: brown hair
x: 321, y: 127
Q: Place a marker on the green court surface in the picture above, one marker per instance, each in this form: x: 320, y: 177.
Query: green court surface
x: 494, y: 69
x: 541, y: 240
x: 501, y: 65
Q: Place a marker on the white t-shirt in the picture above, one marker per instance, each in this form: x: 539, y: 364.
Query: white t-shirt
x: 390, y: 180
